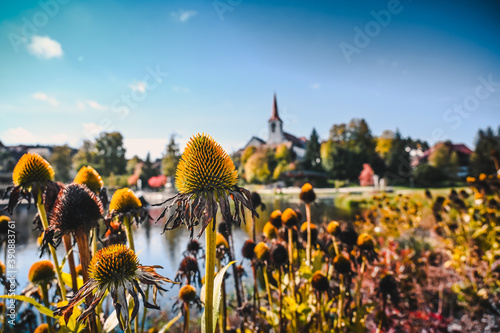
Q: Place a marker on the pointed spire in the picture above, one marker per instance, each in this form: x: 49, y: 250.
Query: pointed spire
x: 274, y: 115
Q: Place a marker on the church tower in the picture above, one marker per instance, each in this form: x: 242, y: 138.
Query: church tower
x: 276, y: 135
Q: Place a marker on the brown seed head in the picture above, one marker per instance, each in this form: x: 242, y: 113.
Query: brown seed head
x: 89, y: 177
x: 307, y: 193
x: 32, y: 169
x: 42, y: 272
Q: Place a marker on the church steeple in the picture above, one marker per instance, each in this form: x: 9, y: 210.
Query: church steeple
x: 276, y: 135
x: 274, y: 114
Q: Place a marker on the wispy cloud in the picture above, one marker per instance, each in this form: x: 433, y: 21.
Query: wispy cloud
x: 45, y: 47
x: 21, y: 135
x: 184, y: 15
x: 315, y: 86
x: 95, y: 105
x: 91, y: 130
x: 138, y: 86
x: 43, y: 97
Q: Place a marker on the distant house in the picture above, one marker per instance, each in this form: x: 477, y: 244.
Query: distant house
x: 277, y: 136
x: 463, y: 152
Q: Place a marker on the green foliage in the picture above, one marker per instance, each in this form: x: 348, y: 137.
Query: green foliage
x: 257, y: 168
x: 111, y: 153
x: 132, y: 164
x: 171, y: 158
x: 61, y: 161
x: 86, y: 155
x: 427, y: 175
x: 147, y: 170
x: 249, y: 151
x: 312, y: 159
x: 487, y: 148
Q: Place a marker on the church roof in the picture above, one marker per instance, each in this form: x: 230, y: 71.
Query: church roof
x: 274, y: 114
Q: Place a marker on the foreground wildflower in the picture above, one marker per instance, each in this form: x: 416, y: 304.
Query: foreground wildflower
x: 206, y: 178
x: 116, y: 269
x: 90, y: 177
x: 31, y: 175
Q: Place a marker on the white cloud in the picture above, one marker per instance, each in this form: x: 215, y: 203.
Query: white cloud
x: 80, y: 105
x: 91, y: 130
x: 96, y: 105
x: 20, y: 135
x: 138, y: 86
x: 315, y: 86
x: 43, y: 97
x: 44, y: 47
x: 184, y: 15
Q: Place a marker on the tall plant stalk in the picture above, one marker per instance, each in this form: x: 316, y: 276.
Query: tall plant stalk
x: 45, y: 223
x: 308, y: 246
x: 45, y: 295
x: 210, y: 237
x: 71, y: 262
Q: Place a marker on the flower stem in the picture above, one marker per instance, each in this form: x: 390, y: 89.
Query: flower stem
x: 308, y: 246
x: 292, y: 276
x: 341, y: 302
x: 210, y: 237
x: 145, y: 310
x: 45, y: 295
x: 71, y: 262
x: 128, y: 232
x: 45, y: 224
x: 268, y: 290
x: 186, y: 317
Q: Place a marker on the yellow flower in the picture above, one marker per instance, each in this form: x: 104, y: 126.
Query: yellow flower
x: 42, y: 272
x: 124, y: 200
x: 342, y: 264
x: 275, y: 218
x: 333, y: 228
x: 365, y: 242
x: 482, y: 177
x: 187, y: 293
x: 307, y: 193
x: 90, y: 177
x: 43, y: 328
x: 115, y: 269
x: 220, y: 241
x: 289, y: 217
x: 32, y: 169
x: 261, y: 251
x: 204, y: 166
x: 270, y: 231
x: 319, y: 281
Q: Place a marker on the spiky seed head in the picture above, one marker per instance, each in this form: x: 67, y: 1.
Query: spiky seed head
x: 248, y: 249
x: 220, y: 241
x: 90, y: 177
x: 275, y: 218
x: 32, y: 169
x: 76, y: 208
x: 79, y: 270
x: 2, y: 269
x: 307, y: 193
x: 113, y: 264
x: 261, y: 251
x: 279, y: 254
x: 289, y: 218
x: 204, y: 167
x: 333, y: 228
x: 482, y: 177
x: 42, y: 272
x: 43, y: 328
x: 342, y: 264
x: 365, y: 242
x: 319, y: 281
x: 187, y: 293
x: 270, y: 230
x: 4, y: 224
x: 303, y: 227
x: 124, y: 200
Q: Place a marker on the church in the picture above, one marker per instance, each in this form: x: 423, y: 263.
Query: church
x: 277, y: 136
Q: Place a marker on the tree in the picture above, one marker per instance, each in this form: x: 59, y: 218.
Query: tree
x: 86, y: 155
x: 487, y: 150
x: 427, y: 175
x: 398, y: 161
x: 312, y: 158
x: 171, y: 158
x: 384, y: 144
x: 148, y: 170
x: 257, y: 168
x: 61, y: 161
x: 111, y: 153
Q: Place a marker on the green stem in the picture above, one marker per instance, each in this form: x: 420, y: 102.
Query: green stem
x: 128, y: 232
x: 268, y: 289
x: 45, y: 295
x: 145, y: 310
x: 341, y: 302
x: 292, y: 276
x: 308, y: 246
x: 94, y: 241
x: 210, y: 237
x: 357, y: 293
x: 45, y: 224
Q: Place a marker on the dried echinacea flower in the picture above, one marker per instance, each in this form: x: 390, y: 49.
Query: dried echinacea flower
x: 41, y: 274
x: 187, y: 296
x: 116, y: 269
x: 31, y: 175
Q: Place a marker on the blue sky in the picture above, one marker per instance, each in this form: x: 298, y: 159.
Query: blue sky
x: 152, y: 68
